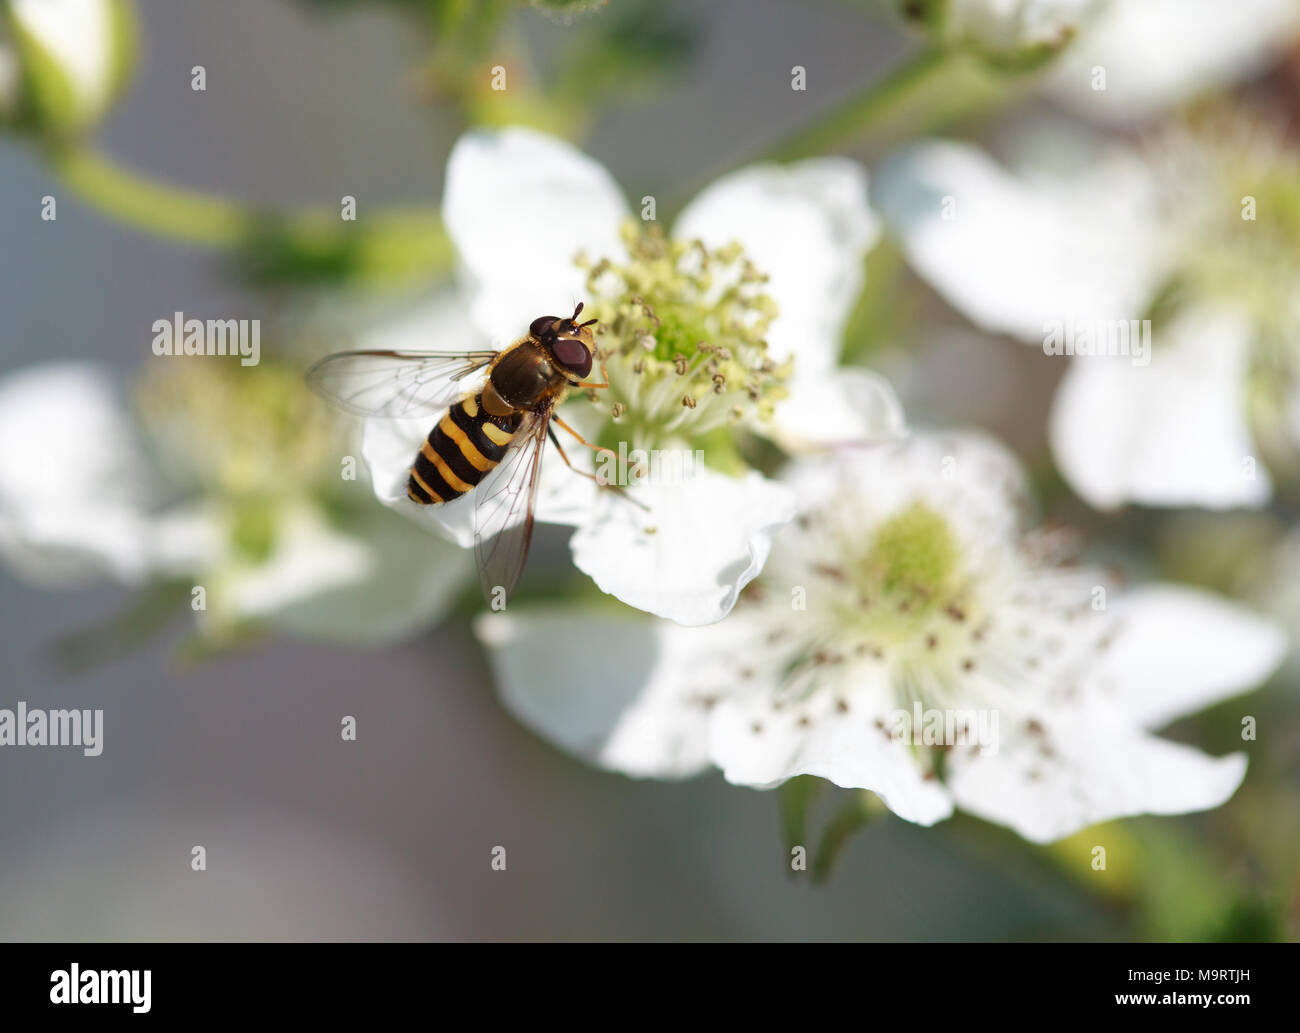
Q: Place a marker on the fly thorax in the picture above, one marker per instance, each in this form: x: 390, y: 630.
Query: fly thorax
x: 683, y: 334
x: 524, y: 376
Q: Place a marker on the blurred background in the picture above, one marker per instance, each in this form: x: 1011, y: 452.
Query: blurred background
x: 236, y: 746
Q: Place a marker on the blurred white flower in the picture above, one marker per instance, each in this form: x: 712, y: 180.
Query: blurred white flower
x: 74, y: 494
x: 1120, y: 61
x: 1017, y: 32
x: 734, y: 324
x: 1195, y: 231
x: 64, y: 60
x: 83, y: 497
x: 907, y: 582
x: 1156, y: 54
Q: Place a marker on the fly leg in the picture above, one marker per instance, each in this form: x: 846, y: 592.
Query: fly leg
x: 596, y: 448
x: 605, y: 383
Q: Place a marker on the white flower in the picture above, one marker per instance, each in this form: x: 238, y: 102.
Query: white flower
x: 1156, y: 54
x: 1018, y: 32
x: 733, y: 324
x: 65, y: 60
x: 908, y: 582
x: 1120, y: 61
x: 82, y: 498
x: 1162, y: 233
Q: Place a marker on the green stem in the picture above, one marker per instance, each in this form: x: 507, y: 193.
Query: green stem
x: 793, y: 799
x: 852, y: 119
x: 153, y: 207
x: 148, y: 615
x: 849, y: 121
x: 383, y: 246
x: 852, y: 817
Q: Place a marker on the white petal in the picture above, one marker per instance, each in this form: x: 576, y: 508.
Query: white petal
x: 78, y: 35
x: 389, y: 447
x: 60, y: 547
x: 309, y: 558
x: 520, y: 206
x: 1159, y: 53
x: 1096, y: 766
x: 68, y: 510
x: 1181, y: 649
x: 437, y: 323
x: 636, y: 713
x: 406, y: 583
x: 755, y: 746
x: 845, y: 407
x: 706, y: 537
x: 808, y: 226
x: 186, y: 539
x: 1015, y: 256
x: 54, y: 409
x: 1173, y: 433
x: 966, y: 475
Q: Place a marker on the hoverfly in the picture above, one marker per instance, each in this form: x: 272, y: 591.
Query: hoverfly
x: 490, y: 436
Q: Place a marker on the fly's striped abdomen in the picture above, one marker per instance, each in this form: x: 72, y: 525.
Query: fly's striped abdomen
x: 460, y: 451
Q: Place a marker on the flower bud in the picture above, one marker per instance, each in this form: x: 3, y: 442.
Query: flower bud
x: 1017, y: 35
x: 63, y: 62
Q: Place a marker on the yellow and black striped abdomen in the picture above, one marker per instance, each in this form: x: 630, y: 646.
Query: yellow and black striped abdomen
x: 460, y: 451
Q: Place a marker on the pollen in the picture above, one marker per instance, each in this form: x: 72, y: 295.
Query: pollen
x: 684, y: 329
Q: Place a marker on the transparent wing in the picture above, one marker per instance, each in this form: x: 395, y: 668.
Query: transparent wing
x: 395, y: 384
x: 503, y: 510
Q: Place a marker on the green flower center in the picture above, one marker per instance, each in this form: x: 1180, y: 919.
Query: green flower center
x: 912, y: 556
x: 898, y: 596
x: 235, y: 432
x: 683, y: 334
x: 903, y: 595
x: 1234, y: 188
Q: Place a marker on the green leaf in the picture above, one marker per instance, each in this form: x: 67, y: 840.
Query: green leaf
x: 154, y: 609
x: 392, y: 248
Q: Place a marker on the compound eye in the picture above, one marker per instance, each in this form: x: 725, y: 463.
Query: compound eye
x: 573, y: 355
x: 542, y: 326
